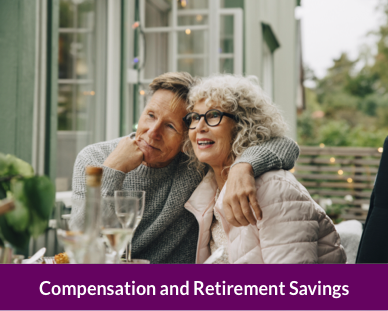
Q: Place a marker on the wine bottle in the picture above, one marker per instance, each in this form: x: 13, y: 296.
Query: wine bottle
x: 95, y: 251
x: 93, y: 201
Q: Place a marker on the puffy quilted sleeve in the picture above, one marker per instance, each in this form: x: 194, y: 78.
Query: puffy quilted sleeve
x: 289, y: 230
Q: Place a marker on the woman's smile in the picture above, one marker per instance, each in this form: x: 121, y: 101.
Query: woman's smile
x: 204, y: 143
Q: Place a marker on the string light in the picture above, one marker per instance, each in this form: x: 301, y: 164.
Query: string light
x: 135, y: 60
x: 199, y: 18
x: 322, y: 145
x: 142, y: 92
x: 188, y: 31
x: 350, y: 180
x: 92, y: 93
x: 183, y: 3
x: 380, y: 150
x: 332, y: 160
x: 292, y: 170
x: 340, y: 172
x: 135, y: 25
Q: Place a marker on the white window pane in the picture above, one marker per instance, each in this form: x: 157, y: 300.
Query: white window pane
x: 192, y: 42
x: 226, y: 65
x: 226, y: 34
x: 156, y: 56
x: 198, y: 19
x: 81, y: 63
x: 65, y: 56
x: 196, y: 67
x: 84, y: 62
x: 65, y: 108
x: 157, y: 14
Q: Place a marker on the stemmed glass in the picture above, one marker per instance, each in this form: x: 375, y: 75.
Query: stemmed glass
x: 118, y: 222
x: 139, y: 197
x: 73, y: 240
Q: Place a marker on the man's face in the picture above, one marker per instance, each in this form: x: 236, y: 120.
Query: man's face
x: 160, y: 129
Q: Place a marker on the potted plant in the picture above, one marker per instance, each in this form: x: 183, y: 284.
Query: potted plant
x: 26, y: 202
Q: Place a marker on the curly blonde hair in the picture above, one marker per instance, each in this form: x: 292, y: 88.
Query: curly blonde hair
x: 259, y: 119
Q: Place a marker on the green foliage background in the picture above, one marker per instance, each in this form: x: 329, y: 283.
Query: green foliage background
x: 34, y: 198
x: 353, y: 97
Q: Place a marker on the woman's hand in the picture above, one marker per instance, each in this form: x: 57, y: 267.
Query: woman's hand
x: 126, y: 157
x: 240, y: 192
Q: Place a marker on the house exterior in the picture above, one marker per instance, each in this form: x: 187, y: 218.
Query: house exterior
x: 75, y: 72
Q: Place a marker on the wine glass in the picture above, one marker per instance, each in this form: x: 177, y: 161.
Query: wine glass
x: 73, y: 240
x: 118, y: 222
x: 79, y: 238
x: 139, y: 196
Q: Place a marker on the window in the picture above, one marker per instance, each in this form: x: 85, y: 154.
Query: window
x: 198, y: 37
x: 81, y: 85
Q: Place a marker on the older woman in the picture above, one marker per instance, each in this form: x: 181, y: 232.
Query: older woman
x: 227, y: 114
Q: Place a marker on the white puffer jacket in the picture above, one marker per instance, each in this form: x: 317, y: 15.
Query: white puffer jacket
x: 294, y: 229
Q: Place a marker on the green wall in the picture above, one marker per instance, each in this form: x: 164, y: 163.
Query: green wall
x: 51, y: 89
x: 17, y: 76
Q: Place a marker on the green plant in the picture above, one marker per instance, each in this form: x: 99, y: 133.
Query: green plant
x: 33, y: 196
x: 334, y: 212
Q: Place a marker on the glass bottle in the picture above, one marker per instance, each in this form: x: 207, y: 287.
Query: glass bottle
x: 93, y: 201
x: 95, y: 252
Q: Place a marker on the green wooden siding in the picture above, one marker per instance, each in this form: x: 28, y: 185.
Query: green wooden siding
x: 17, y: 76
x: 123, y: 83
x: 52, y: 88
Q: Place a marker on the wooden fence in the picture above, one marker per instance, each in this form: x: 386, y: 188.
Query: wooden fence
x: 345, y: 175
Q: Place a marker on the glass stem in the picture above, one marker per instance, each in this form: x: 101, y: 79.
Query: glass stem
x: 128, y: 252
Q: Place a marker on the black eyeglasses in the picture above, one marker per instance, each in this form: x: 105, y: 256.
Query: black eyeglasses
x: 212, y: 118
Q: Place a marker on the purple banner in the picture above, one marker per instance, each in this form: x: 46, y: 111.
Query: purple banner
x: 228, y: 287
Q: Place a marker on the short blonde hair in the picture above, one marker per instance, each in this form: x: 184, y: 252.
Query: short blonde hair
x: 259, y: 119
x: 177, y: 82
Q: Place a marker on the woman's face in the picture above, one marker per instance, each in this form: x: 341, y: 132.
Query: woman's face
x: 212, y: 145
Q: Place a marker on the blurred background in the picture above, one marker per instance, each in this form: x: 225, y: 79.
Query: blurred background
x: 76, y: 72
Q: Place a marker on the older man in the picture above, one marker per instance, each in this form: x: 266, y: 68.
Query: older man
x: 150, y: 160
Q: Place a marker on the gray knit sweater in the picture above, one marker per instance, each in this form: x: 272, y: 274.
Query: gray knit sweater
x: 168, y: 233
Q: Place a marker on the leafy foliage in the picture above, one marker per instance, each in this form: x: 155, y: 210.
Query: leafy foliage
x: 349, y: 106
x: 34, y: 198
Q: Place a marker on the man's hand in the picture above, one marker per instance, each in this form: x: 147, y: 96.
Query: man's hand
x: 240, y: 192
x: 126, y: 157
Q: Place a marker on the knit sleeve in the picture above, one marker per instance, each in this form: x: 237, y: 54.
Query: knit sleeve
x: 277, y: 153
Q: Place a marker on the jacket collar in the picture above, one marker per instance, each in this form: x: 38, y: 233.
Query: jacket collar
x: 205, y: 193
